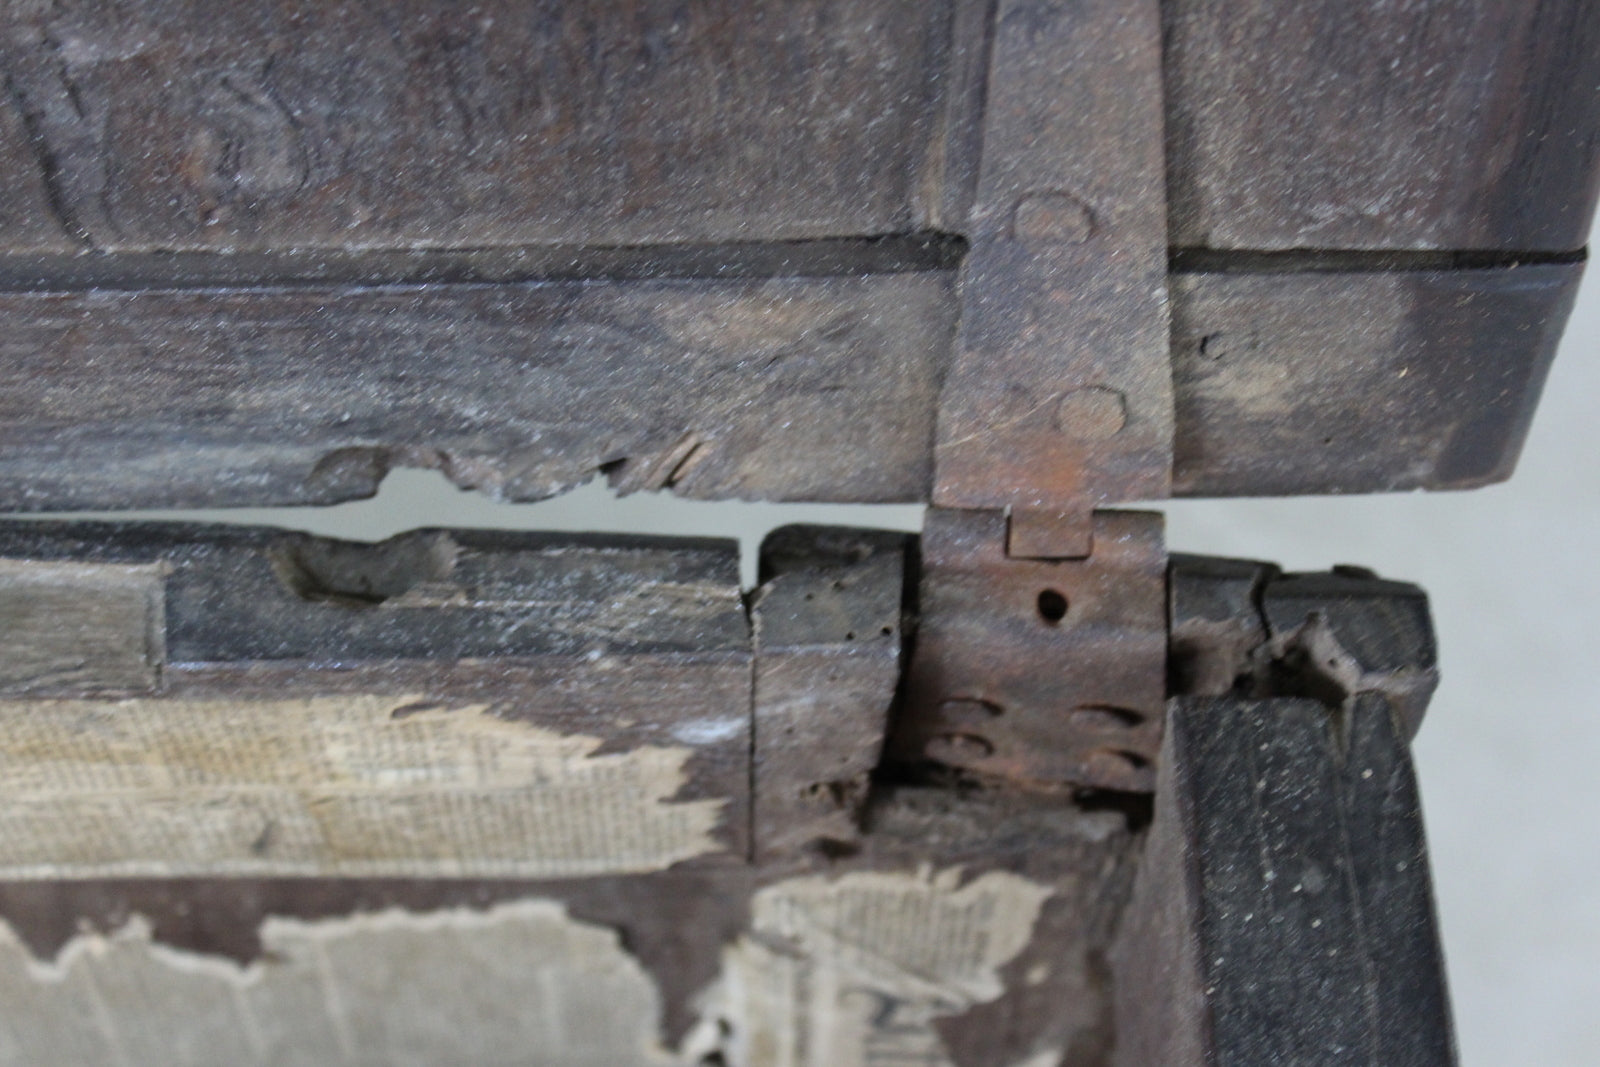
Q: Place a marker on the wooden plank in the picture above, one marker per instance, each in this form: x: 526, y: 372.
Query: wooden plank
x: 80, y: 626
x: 1284, y: 912
x: 828, y: 641
x: 1215, y: 629
x: 28, y: 219
x: 1289, y: 378
x: 1383, y: 124
x: 782, y: 388
x: 1359, y: 381
x: 441, y: 705
x: 1350, y: 632
x: 169, y: 124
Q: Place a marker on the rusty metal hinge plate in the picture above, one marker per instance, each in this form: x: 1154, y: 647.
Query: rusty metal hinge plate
x: 1042, y: 672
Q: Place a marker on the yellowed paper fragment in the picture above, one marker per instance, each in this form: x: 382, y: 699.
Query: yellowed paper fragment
x: 853, y: 972
x: 520, y: 984
x: 94, y: 626
x: 336, y: 785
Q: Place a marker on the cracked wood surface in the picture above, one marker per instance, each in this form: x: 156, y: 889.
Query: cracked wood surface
x: 783, y: 388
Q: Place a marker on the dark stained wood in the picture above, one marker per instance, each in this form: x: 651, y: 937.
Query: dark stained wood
x: 1382, y: 124
x: 787, y: 388
x: 1244, y: 628
x: 1345, y: 633
x: 166, y: 124
x: 1214, y: 624
x: 1293, y: 382
x: 716, y: 248
x: 1283, y: 912
x: 1289, y: 378
x: 827, y: 625
x: 236, y: 594
x: 28, y: 219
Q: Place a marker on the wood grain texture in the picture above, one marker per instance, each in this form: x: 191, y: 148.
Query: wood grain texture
x: 827, y: 622
x: 1346, y: 633
x: 1244, y: 628
x: 1286, y: 380
x: 423, y: 687
x: 1215, y: 627
x: 1359, y: 381
x: 80, y: 626
x: 1465, y: 124
x: 772, y: 389
x: 168, y: 124
x: 1298, y: 923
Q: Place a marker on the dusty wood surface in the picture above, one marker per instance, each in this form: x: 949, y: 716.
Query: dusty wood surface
x: 1215, y: 627
x: 147, y: 125
x: 1471, y: 124
x: 828, y: 631
x: 238, y: 253
x: 1340, y: 635
x: 446, y: 704
x: 938, y: 921
x: 1346, y: 381
x: 776, y: 389
x: 1284, y: 912
x: 164, y: 124
x: 825, y: 388
x: 1240, y: 627
x: 83, y: 627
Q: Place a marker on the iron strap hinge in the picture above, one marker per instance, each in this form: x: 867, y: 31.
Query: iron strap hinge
x: 1045, y: 672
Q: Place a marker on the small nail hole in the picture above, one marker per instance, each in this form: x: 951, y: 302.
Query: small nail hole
x: 1052, y: 606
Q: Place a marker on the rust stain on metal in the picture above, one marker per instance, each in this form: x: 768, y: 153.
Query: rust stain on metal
x: 1046, y: 673
x: 1063, y: 292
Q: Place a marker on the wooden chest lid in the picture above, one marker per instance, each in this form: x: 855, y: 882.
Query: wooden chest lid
x: 981, y: 254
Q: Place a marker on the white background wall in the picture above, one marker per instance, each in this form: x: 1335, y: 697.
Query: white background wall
x: 1510, y: 755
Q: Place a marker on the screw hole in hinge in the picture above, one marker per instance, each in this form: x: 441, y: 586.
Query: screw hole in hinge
x: 1052, y: 606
